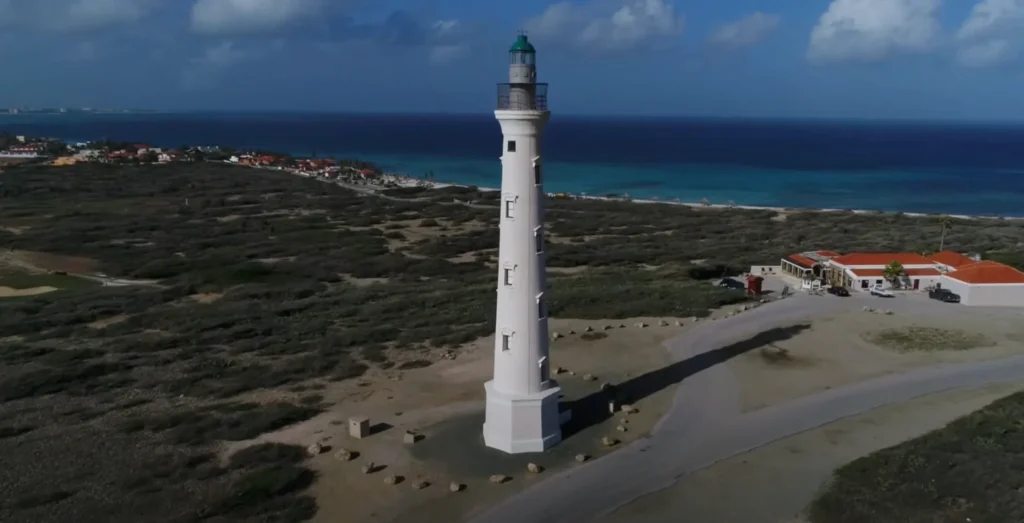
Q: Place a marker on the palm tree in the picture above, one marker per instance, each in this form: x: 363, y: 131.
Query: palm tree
x: 892, y: 273
x: 946, y: 223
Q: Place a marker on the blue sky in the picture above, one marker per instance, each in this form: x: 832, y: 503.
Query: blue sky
x: 946, y: 59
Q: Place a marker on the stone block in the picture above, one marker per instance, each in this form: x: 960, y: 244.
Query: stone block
x: 359, y: 427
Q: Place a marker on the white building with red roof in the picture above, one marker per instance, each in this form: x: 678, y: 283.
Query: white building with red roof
x: 861, y: 271
x: 986, y: 283
x: 977, y: 282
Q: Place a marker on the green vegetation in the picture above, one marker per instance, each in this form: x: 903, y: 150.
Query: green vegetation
x: 968, y: 471
x: 927, y: 339
x: 271, y: 281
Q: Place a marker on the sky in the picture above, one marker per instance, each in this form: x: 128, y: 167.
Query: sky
x: 905, y: 59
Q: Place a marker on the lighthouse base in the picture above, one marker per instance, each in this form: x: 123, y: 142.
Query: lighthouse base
x: 520, y: 424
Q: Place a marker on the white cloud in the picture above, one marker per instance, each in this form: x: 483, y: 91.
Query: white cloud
x: 447, y: 53
x: 607, y: 25
x: 70, y: 15
x: 991, y: 18
x: 871, y: 30
x: 745, y: 31
x: 991, y: 33
x: 447, y: 41
x: 83, y: 52
x: 248, y: 16
x: 986, y: 54
x: 204, y: 70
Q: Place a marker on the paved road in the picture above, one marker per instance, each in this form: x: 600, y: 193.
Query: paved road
x: 705, y: 424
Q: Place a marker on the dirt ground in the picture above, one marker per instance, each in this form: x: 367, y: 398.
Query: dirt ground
x: 778, y: 481
x: 7, y: 292
x: 834, y: 352
x: 444, y: 403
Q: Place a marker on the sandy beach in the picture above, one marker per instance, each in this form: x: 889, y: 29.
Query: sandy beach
x: 401, y: 180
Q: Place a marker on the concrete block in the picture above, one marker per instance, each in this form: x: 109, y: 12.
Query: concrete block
x: 359, y: 427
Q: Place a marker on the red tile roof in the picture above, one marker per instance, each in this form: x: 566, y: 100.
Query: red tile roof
x: 904, y: 258
x: 987, y: 273
x: 950, y: 258
x: 828, y: 254
x: 800, y: 260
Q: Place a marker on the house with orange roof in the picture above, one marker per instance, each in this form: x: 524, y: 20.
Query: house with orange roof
x: 977, y: 282
x: 806, y: 265
x: 986, y: 283
x: 862, y: 270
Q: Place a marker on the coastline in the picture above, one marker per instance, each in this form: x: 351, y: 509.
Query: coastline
x: 401, y: 180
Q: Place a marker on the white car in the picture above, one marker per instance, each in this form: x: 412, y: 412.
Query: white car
x: 881, y: 292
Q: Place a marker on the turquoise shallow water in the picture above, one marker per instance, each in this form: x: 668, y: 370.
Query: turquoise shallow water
x: 911, y: 167
x: 878, y: 190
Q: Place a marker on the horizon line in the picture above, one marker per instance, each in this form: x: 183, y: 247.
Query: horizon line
x: 591, y: 116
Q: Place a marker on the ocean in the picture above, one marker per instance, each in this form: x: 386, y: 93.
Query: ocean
x: 890, y: 166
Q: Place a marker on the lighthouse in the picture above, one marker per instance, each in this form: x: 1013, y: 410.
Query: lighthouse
x: 522, y: 400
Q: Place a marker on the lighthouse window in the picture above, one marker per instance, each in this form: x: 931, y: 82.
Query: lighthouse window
x: 510, y: 208
x: 536, y: 174
x: 538, y: 238
x: 508, y: 277
x: 506, y: 342
x: 541, y: 309
x: 511, y: 146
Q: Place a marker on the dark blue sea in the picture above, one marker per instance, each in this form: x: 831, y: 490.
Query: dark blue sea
x: 911, y: 167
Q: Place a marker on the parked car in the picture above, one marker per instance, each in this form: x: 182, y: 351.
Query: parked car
x: 881, y: 292
x: 838, y: 291
x: 730, y: 283
x: 945, y: 295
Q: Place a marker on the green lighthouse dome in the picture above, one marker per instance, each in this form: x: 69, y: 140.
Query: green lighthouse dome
x: 522, y: 45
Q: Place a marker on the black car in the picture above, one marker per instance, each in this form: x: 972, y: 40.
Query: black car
x: 730, y: 283
x: 838, y: 291
x: 944, y: 295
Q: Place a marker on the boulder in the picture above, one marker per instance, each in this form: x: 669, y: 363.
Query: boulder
x: 391, y: 480
x: 369, y: 468
x: 498, y: 478
x: 582, y: 457
x: 609, y: 442
x: 629, y: 409
x: 534, y: 468
x: 420, y: 484
x: 314, y: 449
x: 641, y: 325
x: 455, y: 486
x: 555, y: 335
x: 663, y: 323
x: 608, y: 327
x: 345, y: 455
x: 589, y: 329
x: 560, y: 370
x: 620, y: 428
x: 589, y: 377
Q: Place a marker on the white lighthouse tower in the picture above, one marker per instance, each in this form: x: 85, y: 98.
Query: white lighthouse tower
x: 522, y: 399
